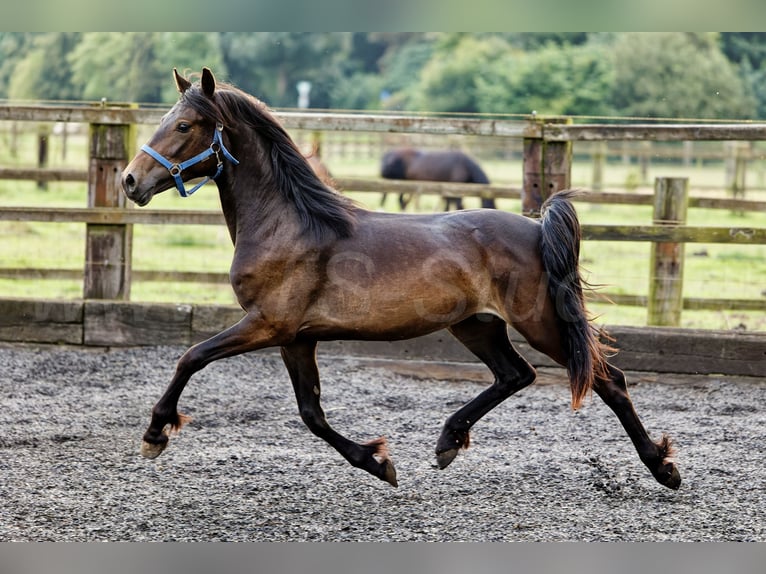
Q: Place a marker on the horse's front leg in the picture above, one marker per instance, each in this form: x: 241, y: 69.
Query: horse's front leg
x: 300, y: 360
x: 249, y: 334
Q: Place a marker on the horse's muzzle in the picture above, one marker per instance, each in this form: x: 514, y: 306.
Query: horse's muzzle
x: 130, y: 187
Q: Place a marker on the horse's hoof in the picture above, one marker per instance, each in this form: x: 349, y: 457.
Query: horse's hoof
x: 443, y: 459
x: 151, y: 450
x: 672, y: 481
x: 389, y: 473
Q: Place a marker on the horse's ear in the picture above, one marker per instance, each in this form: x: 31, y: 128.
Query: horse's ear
x: 181, y: 83
x: 208, y: 82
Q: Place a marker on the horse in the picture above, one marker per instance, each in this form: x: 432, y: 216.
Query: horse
x: 413, y: 164
x: 310, y: 265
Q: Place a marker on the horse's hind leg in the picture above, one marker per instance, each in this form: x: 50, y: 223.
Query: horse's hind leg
x: 486, y: 336
x: 613, y: 390
x: 300, y: 360
x: 655, y: 455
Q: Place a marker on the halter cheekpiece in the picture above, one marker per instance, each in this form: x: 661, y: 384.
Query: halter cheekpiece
x: 216, y: 148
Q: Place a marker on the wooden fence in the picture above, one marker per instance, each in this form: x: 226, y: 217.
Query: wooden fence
x: 123, y: 323
x: 547, y: 145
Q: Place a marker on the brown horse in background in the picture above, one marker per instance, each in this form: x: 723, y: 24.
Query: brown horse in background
x: 309, y: 265
x: 413, y: 164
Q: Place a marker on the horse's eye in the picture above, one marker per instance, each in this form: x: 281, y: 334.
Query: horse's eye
x: 183, y: 127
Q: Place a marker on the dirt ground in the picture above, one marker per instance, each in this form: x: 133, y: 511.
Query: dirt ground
x: 246, y: 468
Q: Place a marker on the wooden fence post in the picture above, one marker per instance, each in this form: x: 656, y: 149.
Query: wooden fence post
x: 599, y: 160
x: 531, y: 194
x: 643, y: 159
x: 667, y: 263
x: 688, y: 149
x: 736, y: 166
x: 43, y: 140
x: 547, y: 169
x: 108, y: 247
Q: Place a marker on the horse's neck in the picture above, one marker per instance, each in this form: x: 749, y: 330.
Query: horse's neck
x: 229, y: 214
x: 252, y: 209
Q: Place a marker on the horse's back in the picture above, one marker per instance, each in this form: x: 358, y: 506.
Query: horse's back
x: 476, y: 234
x: 454, y: 166
x: 440, y: 165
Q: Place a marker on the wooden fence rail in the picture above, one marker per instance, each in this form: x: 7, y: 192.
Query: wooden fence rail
x: 376, y: 185
x: 547, y: 144
x: 632, y: 233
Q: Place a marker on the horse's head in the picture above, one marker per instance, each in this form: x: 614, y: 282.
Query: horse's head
x: 395, y: 163
x: 187, y: 145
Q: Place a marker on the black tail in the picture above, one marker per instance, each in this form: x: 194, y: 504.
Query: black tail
x: 560, y: 246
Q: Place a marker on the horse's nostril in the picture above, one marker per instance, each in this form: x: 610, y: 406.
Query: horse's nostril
x: 129, y: 182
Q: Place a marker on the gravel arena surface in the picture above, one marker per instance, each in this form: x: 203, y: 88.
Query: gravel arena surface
x: 247, y: 469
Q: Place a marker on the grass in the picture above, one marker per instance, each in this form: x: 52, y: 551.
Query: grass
x: 711, y: 271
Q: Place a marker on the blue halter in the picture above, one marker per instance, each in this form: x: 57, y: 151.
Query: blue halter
x: 175, y: 169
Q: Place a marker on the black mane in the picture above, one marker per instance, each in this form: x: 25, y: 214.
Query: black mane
x: 323, y: 212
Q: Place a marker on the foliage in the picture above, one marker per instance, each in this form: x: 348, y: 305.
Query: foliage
x: 657, y: 74
x: 755, y: 82
x: 741, y: 46
x: 13, y: 47
x: 573, y: 80
x: 358, y: 92
x: 449, y: 82
x: 529, y: 41
x: 189, y: 52
x: 677, y: 75
x: 43, y: 72
x: 136, y: 66
x: 270, y: 64
x: 398, y: 68
x: 117, y: 66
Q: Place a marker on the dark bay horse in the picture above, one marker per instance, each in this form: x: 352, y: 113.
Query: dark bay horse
x: 309, y: 265
x: 413, y: 164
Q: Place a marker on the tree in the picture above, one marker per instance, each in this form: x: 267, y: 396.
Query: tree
x: 13, y: 48
x: 755, y: 82
x: 553, y: 80
x: 741, y: 46
x: 360, y: 84
x: 358, y: 92
x: 448, y: 82
x: 42, y: 72
x: 748, y: 50
x: 401, y: 63
x: 677, y: 75
x: 530, y: 41
x: 118, y: 66
x: 187, y: 51
x: 137, y: 66
x: 270, y: 64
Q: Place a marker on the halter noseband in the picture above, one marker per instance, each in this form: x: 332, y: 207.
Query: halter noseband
x: 175, y: 169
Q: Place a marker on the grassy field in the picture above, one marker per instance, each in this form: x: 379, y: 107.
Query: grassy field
x: 715, y: 270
